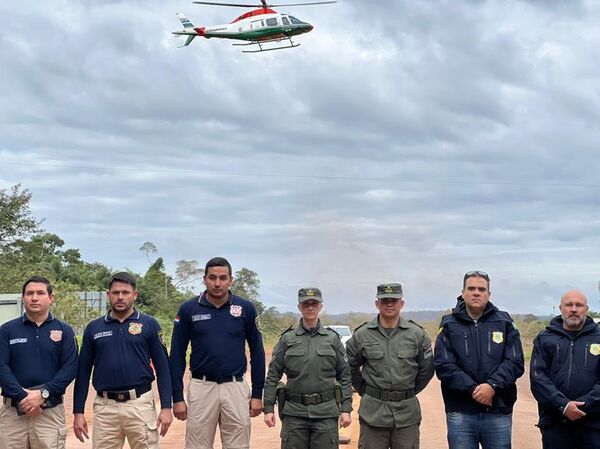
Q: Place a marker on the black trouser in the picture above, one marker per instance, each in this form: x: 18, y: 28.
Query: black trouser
x: 570, y: 436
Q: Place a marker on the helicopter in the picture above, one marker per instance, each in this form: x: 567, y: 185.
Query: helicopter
x: 256, y: 28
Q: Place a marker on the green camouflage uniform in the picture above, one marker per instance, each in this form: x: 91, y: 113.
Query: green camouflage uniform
x: 313, y: 361
x: 388, y: 371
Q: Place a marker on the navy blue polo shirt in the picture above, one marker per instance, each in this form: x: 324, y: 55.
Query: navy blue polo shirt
x: 32, y: 355
x: 218, y: 337
x: 120, y: 354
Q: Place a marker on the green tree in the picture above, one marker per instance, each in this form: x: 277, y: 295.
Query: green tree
x: 148, y: 248
x: 158, y: 296
x: 69, y: 307
x: 246, y: 284
x: 187, y: 272
x: 16, y: 222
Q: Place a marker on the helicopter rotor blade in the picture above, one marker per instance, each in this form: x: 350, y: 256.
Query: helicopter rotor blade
x: 263, y: 4
x: 303, y: 4
x: 238, y: 5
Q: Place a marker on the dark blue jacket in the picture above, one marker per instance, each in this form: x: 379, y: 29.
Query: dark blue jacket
x: 469, y: 353
x: 566, y: 367
x: 120, y: 354
x: 32, y: 355
x: 218, y: 337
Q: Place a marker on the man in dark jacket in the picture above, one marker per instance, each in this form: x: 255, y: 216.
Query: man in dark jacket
x: 565, y: 377
x: 478, y: 358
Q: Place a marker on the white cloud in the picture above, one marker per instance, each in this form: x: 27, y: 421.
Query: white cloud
x: 404, y: 141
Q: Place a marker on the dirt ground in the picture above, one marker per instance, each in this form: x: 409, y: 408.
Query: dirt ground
x: 433, y: 427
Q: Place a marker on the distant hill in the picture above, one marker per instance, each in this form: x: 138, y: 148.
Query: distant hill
x: 354, y: 319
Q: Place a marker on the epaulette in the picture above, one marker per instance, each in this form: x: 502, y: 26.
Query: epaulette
x: 287, y: 330
x: 359, y: 326
x: 332, y: 330
x: 414, y: 322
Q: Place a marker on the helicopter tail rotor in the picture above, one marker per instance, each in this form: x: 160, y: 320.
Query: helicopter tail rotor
x: 188, y: 30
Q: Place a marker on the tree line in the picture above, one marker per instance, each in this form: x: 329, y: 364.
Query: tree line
x: 26, y: 248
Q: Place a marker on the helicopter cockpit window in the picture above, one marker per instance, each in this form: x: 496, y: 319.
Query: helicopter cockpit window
x: 295, y: 21
x: 272, y: 22
x: 285, y: 21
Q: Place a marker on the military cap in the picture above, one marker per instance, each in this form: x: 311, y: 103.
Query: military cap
x: 389, y: 291
x: 311, y: 293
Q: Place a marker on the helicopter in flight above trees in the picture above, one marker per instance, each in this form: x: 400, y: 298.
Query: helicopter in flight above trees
x: 262, y: 25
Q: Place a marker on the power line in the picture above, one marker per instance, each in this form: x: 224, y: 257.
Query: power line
x: 80, y: 166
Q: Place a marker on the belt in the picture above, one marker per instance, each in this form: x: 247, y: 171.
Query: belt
x: 51, y: 402
x: 217, y: 379
x: 311, y: 398
x: 389, y: 395
x: 126, y: 395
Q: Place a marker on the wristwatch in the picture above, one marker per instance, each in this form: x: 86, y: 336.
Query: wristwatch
x: 45, y: 394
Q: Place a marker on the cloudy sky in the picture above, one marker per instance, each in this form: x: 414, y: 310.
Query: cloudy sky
x: 403, y: 140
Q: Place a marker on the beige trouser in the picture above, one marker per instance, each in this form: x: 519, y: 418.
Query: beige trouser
x: 225, y: 404
x: 46, y: 431
x: 134, y: 419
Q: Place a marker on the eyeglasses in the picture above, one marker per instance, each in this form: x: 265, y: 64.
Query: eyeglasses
x: 476, y: 273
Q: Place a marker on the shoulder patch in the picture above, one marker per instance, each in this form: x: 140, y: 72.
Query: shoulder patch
x: 161, y: 338
x: 514, y: 325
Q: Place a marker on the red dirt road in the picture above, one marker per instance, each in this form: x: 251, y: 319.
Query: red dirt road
x: 433, y: 427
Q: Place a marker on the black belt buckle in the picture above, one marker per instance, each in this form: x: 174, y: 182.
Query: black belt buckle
x: 312, y: 399
x: 119, y: 396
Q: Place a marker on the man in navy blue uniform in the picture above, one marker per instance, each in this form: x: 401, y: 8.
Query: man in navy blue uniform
x: 565, y: 377
x: 119, y: 346
x: 38, y: 360
x: 218, y: 324
x: 478, y: 358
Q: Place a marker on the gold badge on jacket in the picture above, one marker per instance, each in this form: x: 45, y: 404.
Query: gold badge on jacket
x: 135, y: 328
x: 497, y: 337
x: 595, y: 349
x: 56, y: 335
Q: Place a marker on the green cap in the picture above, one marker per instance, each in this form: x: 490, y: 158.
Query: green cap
x: 306, y: 294
x: 389, y: 291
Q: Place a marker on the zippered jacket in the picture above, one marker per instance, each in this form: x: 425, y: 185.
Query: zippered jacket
x: 469, y: 353
x: 566, y: 367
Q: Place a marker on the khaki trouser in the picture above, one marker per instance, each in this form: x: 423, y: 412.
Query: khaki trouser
x: 46, y: 431
x: 388, y: 438
x: 135, y: 420
x: 210, y: 403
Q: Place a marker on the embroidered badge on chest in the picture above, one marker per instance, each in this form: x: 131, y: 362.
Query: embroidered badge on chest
x: 497, y: 337
x: 135, y: 328
x: 235, y: 311
x: 595, y: 349
x: 56, y: 335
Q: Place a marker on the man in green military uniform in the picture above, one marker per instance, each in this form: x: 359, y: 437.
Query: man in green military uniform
x: 314, y: 361
x: 391, y: 361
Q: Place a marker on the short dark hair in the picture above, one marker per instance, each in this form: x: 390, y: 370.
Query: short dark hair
x: 41, y: 280
x: 476, y: 274
x: 122, y: 276
x: 217, y: 262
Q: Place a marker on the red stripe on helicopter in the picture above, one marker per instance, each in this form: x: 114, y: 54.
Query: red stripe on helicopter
x: 255, y: 12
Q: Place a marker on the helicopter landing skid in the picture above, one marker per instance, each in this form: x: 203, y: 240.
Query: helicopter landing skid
x: 292, y: 44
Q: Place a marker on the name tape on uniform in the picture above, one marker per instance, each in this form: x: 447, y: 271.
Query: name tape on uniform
x: 102, y: 334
